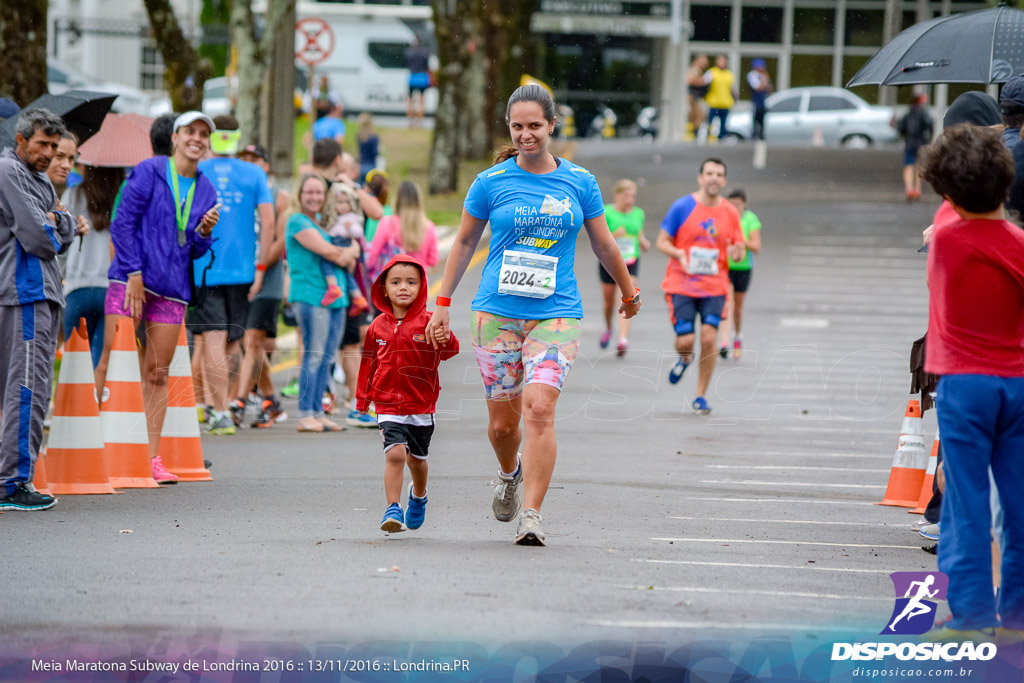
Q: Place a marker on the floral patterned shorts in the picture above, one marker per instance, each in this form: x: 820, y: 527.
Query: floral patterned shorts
x: 510, y: 349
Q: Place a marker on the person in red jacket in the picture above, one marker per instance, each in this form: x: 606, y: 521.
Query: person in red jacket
x: 398, y: 373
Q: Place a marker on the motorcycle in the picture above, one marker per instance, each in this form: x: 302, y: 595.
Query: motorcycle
x: 646, y: 125
x: 603, y: 125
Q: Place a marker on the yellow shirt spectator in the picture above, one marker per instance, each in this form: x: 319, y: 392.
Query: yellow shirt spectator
x: 721, y: 83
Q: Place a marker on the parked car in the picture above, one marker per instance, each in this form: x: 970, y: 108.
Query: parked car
x: 215, y: 100
x: 833, y: 116
x: 62, y: 78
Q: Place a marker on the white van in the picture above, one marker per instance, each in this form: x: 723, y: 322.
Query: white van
x: 367, y: 68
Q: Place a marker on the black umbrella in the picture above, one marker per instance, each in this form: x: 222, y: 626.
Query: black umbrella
x: 83, y: 113
x: 985, y: 46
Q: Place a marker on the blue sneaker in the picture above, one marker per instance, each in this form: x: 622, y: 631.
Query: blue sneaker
x: 393, y: 521
x: 357, y: 419
x: 700, y: 406
x: 676, y: 372
x: 930, y: 531
x: 416, y: 511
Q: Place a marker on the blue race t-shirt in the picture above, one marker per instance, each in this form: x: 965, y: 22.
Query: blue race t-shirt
x: 241, y: 187
x: 535, y: 219
x: 328, y: 127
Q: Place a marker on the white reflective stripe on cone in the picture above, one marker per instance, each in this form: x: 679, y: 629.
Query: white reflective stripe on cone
x: 75, y: 432
x: 124, y: 427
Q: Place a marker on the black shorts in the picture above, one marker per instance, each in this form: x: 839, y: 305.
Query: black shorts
x: 740, y: 280
x: 263, y: 316
x: 351, y: 334
x: 684, y: 309
x: 606, y: 278
x: 226, y: 308
x: 415, y: 438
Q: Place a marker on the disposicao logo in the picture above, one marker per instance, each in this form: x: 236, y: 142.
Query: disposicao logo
x: 914, y: 614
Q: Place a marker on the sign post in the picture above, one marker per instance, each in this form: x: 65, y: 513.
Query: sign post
x: 314, y: 42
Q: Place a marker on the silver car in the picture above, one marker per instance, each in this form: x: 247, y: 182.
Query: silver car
x: 822, y: 115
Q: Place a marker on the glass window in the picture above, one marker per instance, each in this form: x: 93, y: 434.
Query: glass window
x: 787, y: 105
x: 810, y: 70
x: 830, y: 103
x: 813, y: 26
x: 55, y: 76
x: 217, y: 90
x: 864, y: 27
x: 711, y: 23
x: 387, y: 55
x: 853, y: 64
x: 761, y: 25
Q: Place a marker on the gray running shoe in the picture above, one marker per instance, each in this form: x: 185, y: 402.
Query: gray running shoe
x: 508, y: 496
x: 529, y: 532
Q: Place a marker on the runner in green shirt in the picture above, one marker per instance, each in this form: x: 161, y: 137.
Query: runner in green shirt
x: 626, y: 221
x: 739, y: 277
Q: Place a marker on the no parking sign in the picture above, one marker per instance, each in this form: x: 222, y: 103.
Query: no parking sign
x: 314, y: 40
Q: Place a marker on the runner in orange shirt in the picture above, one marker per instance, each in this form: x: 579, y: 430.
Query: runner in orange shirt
x: 699, y: 234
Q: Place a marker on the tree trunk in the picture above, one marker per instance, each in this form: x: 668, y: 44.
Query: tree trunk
x: 253, y: 58
x: 23, y: 50
x: 444, y: 151
x: 511, y: 52
x: 184, y: 72
x: 475, y: 142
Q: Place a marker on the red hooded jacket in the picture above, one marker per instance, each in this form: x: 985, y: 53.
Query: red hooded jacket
x: 398, y: 371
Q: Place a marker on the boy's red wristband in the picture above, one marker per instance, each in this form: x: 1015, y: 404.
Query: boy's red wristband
x: 444, y: 301
x: 261, y: 267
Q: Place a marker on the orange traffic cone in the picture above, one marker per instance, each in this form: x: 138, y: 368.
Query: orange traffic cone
x: 909, y: 463
x: 181, y: 449
x: 39, y: 480
x: 929, y: 478
x: 75, y: 450
x: 124, y: 415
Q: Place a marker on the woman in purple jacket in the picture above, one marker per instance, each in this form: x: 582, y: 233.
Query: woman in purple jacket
x: 165, y: 218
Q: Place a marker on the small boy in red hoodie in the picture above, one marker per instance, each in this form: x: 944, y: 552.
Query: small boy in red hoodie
x: 399, y: 374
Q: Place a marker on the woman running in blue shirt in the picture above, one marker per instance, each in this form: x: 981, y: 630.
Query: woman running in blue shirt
x: 527, y: 309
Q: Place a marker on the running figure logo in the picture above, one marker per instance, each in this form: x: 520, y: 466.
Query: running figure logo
x: 914, y: 612
x: 554, y: 207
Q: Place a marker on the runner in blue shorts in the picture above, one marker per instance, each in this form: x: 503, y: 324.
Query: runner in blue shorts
x: 527, y: 309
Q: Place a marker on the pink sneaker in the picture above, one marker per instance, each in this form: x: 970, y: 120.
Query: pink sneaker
x: 160, y: 473
x: 737, y: 349
x: 622, y: 347
x: 333, y: 294
x: 605, y: 338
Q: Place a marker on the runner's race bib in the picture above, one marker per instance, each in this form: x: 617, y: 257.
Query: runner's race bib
x: 627, y: 247
x: 703, y: 261
x: 526, y: 274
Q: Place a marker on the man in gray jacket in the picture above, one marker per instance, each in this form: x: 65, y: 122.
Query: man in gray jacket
x: 32, y: 233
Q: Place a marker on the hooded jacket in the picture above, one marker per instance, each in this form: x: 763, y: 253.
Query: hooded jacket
x: 398, y: 371
x: 145, y: 231
x: 29, y: 244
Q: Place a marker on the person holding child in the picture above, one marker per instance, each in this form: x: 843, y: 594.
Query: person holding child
x: 408, y: 231
x: 321, y: 326
x: 398, y: 373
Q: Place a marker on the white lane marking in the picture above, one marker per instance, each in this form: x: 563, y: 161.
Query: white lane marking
x: 751, y: 540
x: 749, y: 482
x: 751, y: 591
x: 779, y: 500
x: 853, y: 430
x: 805, y: 323
x: 792, y: 467
x: 710, y: 625
x: 823, y: 455
x: 780, y: 521
x: 763, y: 566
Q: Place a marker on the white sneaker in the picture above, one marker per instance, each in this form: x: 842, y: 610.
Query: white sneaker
x: 508, y: 496
x: 529, y: 532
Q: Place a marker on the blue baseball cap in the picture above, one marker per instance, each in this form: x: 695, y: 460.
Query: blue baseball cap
x: 759, y: 64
